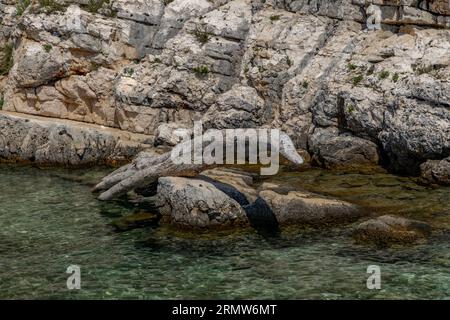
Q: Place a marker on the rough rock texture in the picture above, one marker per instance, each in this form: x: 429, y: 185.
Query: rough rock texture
x: 45, y: 141
x: 347, y: 96
x: 436, y: 171
x: 304, y: 208
x: 242, y: 181
x: 222, y: 198
x: 387, y: 230
x: 192, y: 203
x: 171, y: 134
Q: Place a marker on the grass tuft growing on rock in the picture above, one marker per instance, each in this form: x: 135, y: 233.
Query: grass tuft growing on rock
x: 289, y: 61
x: 351, y: 67
x: 201, y: 35
x: 47, y: 47
x: 383, y: 75
x: 2, y: 102
x: 395, y: 77
x: 275, y: 17
x: 7, y: 61
x: 201, y: 71
x: 51, y: 6
x: 128, y: 72
x: 21, y: 6
x: 357, y: 80
x: 94, y: 6
x: 305, y: 84
x: 350, y: 108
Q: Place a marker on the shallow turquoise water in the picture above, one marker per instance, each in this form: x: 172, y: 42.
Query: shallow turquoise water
x: 49, y: 220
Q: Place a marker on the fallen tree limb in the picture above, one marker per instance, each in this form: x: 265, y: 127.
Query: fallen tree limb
x: 146, y: 168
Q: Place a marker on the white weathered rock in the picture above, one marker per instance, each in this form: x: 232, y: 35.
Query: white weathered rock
x: 191, y: 203
x: 171, y: 134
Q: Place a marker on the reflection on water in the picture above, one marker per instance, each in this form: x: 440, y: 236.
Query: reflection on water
x: 49, y: 220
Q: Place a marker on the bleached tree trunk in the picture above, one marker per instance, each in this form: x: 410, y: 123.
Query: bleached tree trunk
x: 146, y: 168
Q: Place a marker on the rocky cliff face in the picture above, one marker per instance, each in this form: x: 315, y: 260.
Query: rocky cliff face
x: 345, y: 95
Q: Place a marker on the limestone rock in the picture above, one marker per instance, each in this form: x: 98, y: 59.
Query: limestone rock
x: 171, y: 134
x: 194, y: 204
x: 297, y: 207
x: 242, y: 181
x: 335, y: 151
x: 44, y: 141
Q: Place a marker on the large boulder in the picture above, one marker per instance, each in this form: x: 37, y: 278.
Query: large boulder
x: 197, y: 204
x: 386, y: 230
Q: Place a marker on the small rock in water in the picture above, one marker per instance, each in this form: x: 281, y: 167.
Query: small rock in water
x: 389, y: 229
x: 299, y: 207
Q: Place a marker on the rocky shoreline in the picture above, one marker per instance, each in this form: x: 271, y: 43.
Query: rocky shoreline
x: 84, y: 85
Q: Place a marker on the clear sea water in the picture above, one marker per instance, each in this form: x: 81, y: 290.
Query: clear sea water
x: 50, y: 220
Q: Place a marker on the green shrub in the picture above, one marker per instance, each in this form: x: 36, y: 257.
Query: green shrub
x: 94, y: 6
x: 21, y: 6
x: 357, y: 80
x: 2, y: 102
x: 275, y: 18
x: 51, y: 6
x: 350, y: 108
x: 395, y: 77
x: 47, y: 47
x: 7, y: 62
x: 289, y: 62
x: 305, y: 84
x: 383, y: 75
x: 351, y: 67
x: 128, y: 72
x: 201, y: 35
x: 201, y: 70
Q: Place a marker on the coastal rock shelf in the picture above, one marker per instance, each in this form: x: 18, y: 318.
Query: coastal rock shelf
x: 26, y: 138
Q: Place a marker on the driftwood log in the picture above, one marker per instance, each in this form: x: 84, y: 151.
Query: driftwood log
x: 147, y: 167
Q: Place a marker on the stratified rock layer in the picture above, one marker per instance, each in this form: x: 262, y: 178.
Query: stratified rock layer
x: 49, y: 141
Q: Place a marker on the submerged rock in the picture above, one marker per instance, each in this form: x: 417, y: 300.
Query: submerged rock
x: 389, y: 229
x: 136, y: 220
